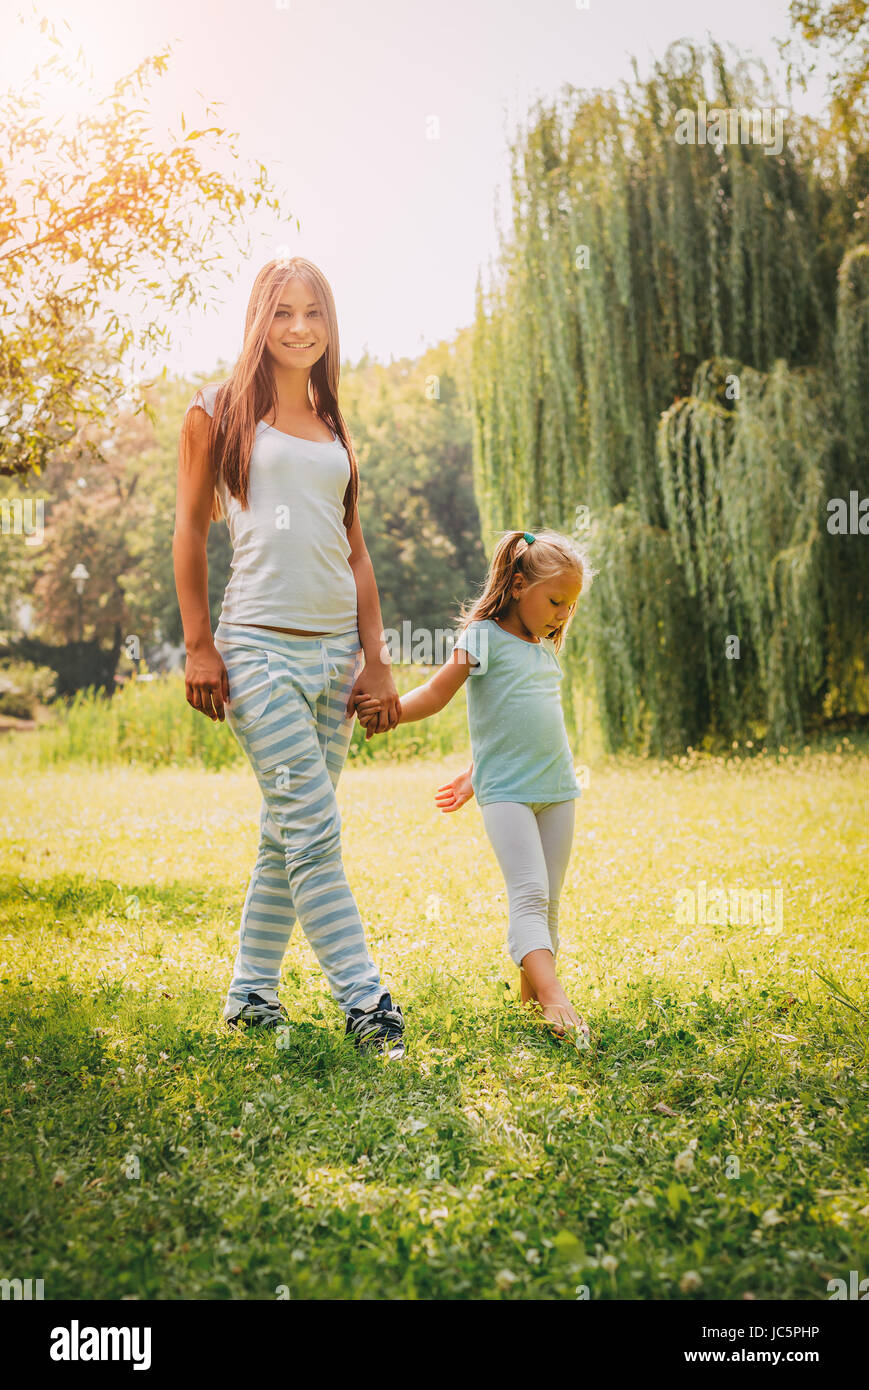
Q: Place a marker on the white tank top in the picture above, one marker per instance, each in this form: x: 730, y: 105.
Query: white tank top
x: 290, y: 565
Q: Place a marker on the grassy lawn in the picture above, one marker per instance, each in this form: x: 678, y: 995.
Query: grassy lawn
x: 714, y: 1142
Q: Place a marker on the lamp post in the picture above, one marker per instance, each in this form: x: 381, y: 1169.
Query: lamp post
x: 79, y: 578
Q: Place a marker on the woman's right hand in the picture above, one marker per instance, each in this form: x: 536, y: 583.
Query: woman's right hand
x: 206, y: 681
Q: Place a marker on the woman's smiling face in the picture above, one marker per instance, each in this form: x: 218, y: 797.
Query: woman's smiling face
x: 297, y: 337
x: 545, y: 607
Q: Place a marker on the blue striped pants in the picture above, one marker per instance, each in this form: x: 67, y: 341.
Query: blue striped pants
x: 288, y: 696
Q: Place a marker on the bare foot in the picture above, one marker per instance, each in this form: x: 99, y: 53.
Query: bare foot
x: 565, y: 1022
x: 526, y: 988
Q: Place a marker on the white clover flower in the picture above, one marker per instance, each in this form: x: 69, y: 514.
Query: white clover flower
x: 690, y: 1281
x: 684, y: 1162
x: 609, y: 1263
x: 504, y: 1278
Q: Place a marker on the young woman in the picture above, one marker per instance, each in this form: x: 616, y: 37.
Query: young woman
x: 269, y: 450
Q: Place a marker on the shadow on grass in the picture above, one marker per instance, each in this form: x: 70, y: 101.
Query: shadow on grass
x: 151, y: 1152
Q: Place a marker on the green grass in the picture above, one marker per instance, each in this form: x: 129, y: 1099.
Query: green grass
x: 150, y: 724
x: 713, y: 1143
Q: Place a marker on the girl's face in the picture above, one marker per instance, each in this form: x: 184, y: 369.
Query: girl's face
x: 297, y: 337
x: 545, y: 607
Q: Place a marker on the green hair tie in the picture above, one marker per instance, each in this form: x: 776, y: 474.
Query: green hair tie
x: 529, y: 538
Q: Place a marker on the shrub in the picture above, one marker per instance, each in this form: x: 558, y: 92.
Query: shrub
x: 23, y: 686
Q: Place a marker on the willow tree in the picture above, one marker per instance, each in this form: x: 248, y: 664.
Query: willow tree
x: 674, y: 348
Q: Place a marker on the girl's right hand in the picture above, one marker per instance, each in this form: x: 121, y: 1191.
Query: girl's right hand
x: 206, y: 681
x: 454, y: 794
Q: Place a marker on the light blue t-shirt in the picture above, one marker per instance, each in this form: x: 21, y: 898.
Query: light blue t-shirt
x: 518, y: 737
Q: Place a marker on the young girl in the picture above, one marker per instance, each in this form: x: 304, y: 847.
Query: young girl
x: 522, y: 770
x: 269, y: 450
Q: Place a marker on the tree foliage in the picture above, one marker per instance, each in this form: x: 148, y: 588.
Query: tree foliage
x: 841, y: 29
x: 676, y: 340
x: 100, y: 218
x: 410, y: 427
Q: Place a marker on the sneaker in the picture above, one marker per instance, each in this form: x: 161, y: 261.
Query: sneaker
x: 379, y: 1027
x: 263, y: 1010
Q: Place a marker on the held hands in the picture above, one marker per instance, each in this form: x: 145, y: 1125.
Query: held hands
x: 368, y: 712
x: 375, y: 690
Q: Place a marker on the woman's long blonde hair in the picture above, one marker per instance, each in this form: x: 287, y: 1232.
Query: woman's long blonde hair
x: 550, y: 553
x: 249, y: 394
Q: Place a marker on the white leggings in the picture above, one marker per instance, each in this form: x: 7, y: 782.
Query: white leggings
x: 532, y: 842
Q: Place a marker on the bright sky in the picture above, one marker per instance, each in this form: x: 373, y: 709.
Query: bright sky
x: 334, y: 96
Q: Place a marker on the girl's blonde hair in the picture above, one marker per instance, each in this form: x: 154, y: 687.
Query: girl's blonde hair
x: 550, y: 553
x: 249, y: 394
